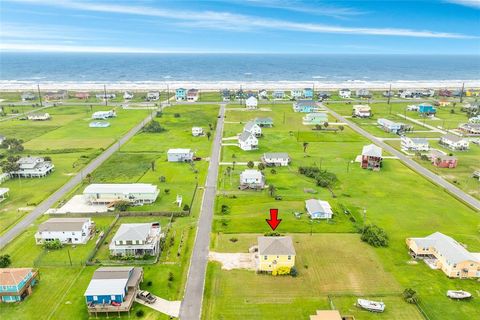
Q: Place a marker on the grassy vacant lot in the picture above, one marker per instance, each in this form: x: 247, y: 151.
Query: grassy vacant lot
x: 328, y: 264
x: 461, y: 176
x: 395, y: 198
x: 144, y: 158
x: 25, y: 194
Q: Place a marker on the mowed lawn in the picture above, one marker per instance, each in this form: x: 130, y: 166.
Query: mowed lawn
x: 76, y: 133
x: 396, y: 199
x: 328, y: 264
x: 462, y: 175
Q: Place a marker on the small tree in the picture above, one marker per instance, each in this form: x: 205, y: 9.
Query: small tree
x: 140, y: 313
x: 121, y: 205
x: 305, y: 146
x: 250, y: 164
x: 167, y: 191
x: 176, y: 115
x: 410, y: 296
x: 318, y: 127
x: 209, y: 134
x: 162, y: 179
x: 271, y: 190
x: 170, y: 276
x: 186, y: 207
x: 374, y: 236
x: 273, y: 171
x: 325, y: 124
x: 5, y: 260
x: 153, y: 127
x: 53, y: 245
x: 261, y: 166
x: 341, y: 128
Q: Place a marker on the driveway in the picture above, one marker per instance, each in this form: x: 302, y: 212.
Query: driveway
x: 170, y: 308
x: 232, y: 261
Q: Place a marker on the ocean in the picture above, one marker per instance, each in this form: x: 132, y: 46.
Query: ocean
x: 124, y: 68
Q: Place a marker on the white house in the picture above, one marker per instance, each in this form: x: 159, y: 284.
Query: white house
x: 4, y: 193
x: 32, y: 167
x: 251, y: 103
x: 153, y: 96
x: 253, y: 128
x: 197, y: 131
x: 362, y: 111
x: 180, y: 155
x: 39, y: 117
x: 454, y: 142
x: 127, y: 95
x: 318, y: 209
x: 102, y: 115
x: 247, y: 141
x: 66, y: 230
x: 276, y: 159
x: 262, y: 94
x: 251, y: 178
x: 107, y: 193
x: 345, y: 93
x: 136, y: 239
x: 296, y: 93
x: 414, y: 144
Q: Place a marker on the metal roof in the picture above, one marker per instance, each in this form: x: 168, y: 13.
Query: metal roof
x: 372, y: 151
x: 124, y: 188
x: 63, y: 224
x: 132, y: 231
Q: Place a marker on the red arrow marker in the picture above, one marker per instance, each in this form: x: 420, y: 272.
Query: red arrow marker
x: 273, y: 222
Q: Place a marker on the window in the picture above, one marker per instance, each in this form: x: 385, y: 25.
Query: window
x: 289, y: 257
x: 112, y: 297
x: 95, y: 298
x: 264, y: 257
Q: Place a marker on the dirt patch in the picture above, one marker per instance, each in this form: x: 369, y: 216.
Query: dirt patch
x: 232, y: 261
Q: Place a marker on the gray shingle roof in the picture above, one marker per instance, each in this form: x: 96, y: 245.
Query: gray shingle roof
x: 63, y: 224
x: 452, y: 137
x: 249, y: 126
x: 244, y: 136
x: 132, y: 231
x: 372, y: 151
x: 276, y: 155
x: 112, y: 273
x: 275, y: 246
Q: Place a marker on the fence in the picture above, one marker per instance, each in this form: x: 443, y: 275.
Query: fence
x: 100, y: 240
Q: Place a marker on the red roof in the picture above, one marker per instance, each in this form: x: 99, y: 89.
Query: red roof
x: 13, y: 276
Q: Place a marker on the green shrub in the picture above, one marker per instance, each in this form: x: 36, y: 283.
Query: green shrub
x: 5, y: 260
x: 53, y: 245
x: 374, y: 236
x: 293, y: 272
x: 410, y: 296
x: 153, y: 127
x: 140, y: 313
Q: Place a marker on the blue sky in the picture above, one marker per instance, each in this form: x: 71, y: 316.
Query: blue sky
x: 242, y: 26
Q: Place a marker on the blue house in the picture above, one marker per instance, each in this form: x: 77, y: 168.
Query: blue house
x: 305, y: 106
x: 16, y: 283
x: 308, y: 93
x: 114, y: 286
x: 390, y: 126
x: 318, y: 209
x: 426, y: 109
x: 181, y: 94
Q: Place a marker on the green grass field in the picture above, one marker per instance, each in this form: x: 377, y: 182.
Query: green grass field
x: 397, y: 199
x: 328, y: 264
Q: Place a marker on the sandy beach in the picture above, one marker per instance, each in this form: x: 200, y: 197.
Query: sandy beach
x: 246, y: 85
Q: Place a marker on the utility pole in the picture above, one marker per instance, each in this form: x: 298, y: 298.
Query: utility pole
x: 39, y: 95
x: 105, y: 95
x: 389, y: 95
x: 69, y: 258
x: 461, y: 93
x: 364, y: 218
x: 168, y: 95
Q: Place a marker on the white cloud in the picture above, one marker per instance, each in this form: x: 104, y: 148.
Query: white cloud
x: 467, y: 3
x: 232, y: 21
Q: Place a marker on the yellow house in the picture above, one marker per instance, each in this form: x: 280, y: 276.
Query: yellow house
x: 275, y: 252
x: 446, y: 254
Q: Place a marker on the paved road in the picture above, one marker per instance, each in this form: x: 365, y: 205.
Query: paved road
x: 191, y: 308
x: 60, y: 193
x: 474, y: 203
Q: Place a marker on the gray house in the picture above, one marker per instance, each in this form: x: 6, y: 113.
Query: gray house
x: 136, y: 239
x: 32, y: 167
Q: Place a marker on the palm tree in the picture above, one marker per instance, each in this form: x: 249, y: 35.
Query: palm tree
x: 271, y: 190
x: 209, y: 134
x: 305, y: 145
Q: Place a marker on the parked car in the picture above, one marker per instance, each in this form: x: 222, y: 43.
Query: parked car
x: 146, y: 296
